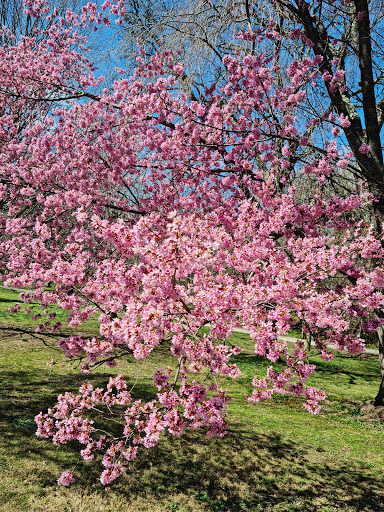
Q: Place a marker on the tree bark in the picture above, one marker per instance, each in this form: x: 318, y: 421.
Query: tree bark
x: 308, y: 341
x: 379, y: 399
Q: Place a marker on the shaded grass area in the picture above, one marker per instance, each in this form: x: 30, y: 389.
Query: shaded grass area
x: 276, y: 457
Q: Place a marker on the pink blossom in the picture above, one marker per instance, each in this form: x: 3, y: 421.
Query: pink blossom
x: 312, y: 406
x: 321, y: 180
x: 326, y: 76
x: 364, y: 149
x: 360, y: 15
x: 344, y: 121
x: 66, y: 479
x: 343, y: 163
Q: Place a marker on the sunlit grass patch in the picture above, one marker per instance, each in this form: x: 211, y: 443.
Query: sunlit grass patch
x: 23, y: 320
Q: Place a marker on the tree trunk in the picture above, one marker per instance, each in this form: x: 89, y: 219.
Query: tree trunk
x: 308, y: 341
x: 379, y: 399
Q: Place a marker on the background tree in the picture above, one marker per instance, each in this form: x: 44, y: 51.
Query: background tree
x: 348, y: 36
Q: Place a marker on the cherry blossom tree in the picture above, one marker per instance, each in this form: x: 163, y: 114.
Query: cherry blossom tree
x: 217, y: 235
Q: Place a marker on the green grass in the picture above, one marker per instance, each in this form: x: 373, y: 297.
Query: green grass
x: 276, y: 457
x: 22, y: 320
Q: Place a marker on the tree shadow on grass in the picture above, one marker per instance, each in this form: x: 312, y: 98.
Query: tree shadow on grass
x: 23, y: 394
x: 354, y: 372
x: 242, y: 472
x: 247, y: 472
x: 14, y: 300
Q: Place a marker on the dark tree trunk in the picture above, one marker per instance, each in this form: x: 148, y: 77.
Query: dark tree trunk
x: 379, y: 399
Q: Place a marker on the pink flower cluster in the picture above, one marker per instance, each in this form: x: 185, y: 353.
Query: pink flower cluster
x: 143, y: 424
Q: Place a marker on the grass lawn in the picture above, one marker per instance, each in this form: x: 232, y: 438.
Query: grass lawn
x: 276, y: 457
